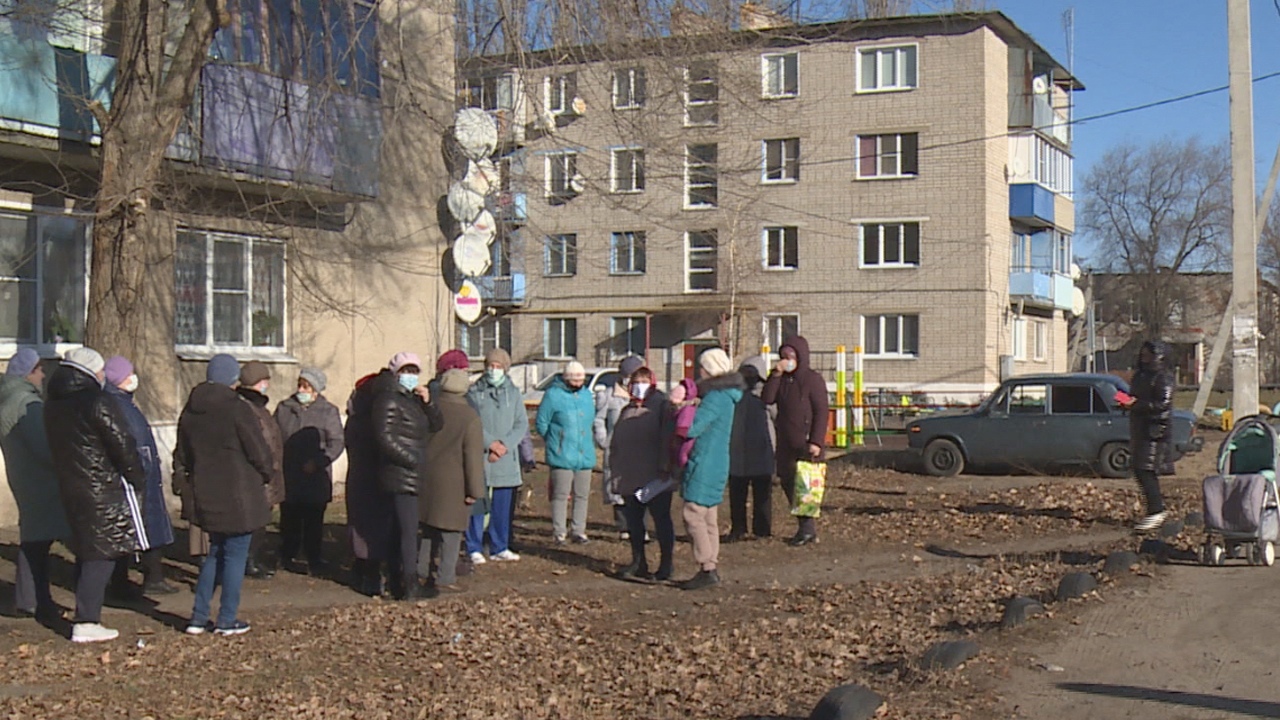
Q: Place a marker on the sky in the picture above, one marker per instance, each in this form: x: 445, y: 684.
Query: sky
x: 1131, y: 52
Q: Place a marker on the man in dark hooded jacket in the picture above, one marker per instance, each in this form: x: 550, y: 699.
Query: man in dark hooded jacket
x: 1150, y: 410
x: 800, y: 394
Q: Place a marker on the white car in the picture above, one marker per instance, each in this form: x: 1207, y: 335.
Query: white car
x: 596, y: 379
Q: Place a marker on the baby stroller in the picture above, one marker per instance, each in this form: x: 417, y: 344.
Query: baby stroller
x: 1241, y: 502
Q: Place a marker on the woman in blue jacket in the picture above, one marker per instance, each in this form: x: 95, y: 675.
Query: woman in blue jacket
x: 707, y: 473
x: 505, y: 424
x: 564, y: 421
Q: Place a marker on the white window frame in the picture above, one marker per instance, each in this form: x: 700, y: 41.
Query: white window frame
x: 569, y: 158
x: 1040, y: 344
x: 899, y: 83
x: 882, y: 321
x: 247, y: 350
x: 563, y: 84
x: 1019, y: 338
x: 632, y: 323
x: 1054, y: 167
x: 636, y: 182
x: 1061, y: 253
x: 781, y: 235
x: 1020, y: 251
x: 566, y: 240
x: 688, y: 183
x: 778, y: 77
x: 9, y: 346
x: 633, y: 238
x: 631, y: 101
x: 490, y: 328
x: 880, y: 225
x: 690, y: 103
x: 690, y: 271
x: 773, y: 322
x: 785, y: 162
x: 897, y: 152
x: 559, y: 353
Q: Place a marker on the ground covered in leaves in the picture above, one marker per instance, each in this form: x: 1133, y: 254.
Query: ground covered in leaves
x: 904, y: 561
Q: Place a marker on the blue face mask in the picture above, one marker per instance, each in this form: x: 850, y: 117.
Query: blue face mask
x: 496, y: 375
x: 408, y: 382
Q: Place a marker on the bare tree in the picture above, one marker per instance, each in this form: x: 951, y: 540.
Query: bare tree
x: 1159, y: 209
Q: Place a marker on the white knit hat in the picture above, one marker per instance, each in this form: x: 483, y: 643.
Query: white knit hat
x: 86, y: 359
x: 715, y: 362
x: 574, y: 369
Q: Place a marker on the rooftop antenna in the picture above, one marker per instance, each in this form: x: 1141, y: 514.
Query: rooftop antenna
x: 1069, y: 26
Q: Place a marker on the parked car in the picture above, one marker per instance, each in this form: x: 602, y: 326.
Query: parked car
x: 1042, y: 422
x: 596, y: 379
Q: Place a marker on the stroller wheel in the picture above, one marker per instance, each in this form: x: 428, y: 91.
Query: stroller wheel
x: 1217, y: 555
x: 1267, y: 553
x: 1251, y: 552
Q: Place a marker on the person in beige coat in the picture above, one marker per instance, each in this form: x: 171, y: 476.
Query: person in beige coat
x: 453, y: 478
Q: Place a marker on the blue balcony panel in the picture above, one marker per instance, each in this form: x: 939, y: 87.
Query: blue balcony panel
x: 1063, y: 290
x: 1041, y: 288
x: 45, y: 90
x: 1031, y: 204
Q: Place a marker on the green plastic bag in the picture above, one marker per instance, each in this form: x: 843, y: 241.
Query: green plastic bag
x: 810, y: 486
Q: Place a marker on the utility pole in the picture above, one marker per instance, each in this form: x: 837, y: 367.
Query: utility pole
x: 1244, y: 237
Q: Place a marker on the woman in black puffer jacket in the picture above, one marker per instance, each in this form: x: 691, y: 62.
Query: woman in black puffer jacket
x: 402, y: 420
x: 1149, y: 414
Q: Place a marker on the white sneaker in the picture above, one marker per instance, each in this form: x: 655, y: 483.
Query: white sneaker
x: 477, y: 558
x: 505, y: 556
x: 92, y: 632
x: 1150, y: 522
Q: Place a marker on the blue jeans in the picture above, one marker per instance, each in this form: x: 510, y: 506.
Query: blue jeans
x: 224, y: 565
x: 499, y: 532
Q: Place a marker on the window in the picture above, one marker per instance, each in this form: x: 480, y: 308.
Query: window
x: 320, y: 42
x: 1062, y: 253
x: 1019, y: 257
x: 779, y: 74
x: 1135, y: 313
x: 887, y: 68
x: 628, y: 88
x: 562, y: 255
x: 887, y: 156
x: 42, y: 278
x: 891, y: 335
x: 561, y: 337
x: 1027, y: 399
x: 230, y: 291
x: 488, y: 93
x: 701, y: 176
x: 777, y: 328
x: 561, y: 90
x: 1019, y: 339
x: 562, y: 175
x: 626, y: 170
x: 626, y: 337
x: 781, y: 249
x: 1041, y: 345
x: 782, y: 160
x: 1077, y: 400
x: 701, y: 253
x: 1053, y: 166
x: 476, y: 340
x: 891, y: 244
x: 701, y: 94
x: 626, y: 253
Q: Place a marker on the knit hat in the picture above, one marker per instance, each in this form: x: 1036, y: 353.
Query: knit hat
x: 715, y: 362
x: 497, y: 356
x: 452, y: 360
x: 86, y: 359
x: 117, y: 369
x: 402, y: 359
x: 630, y: 365
x: 254, y: 372
x: 455, y: 381
x: 757, y: 363
x: 223, y: 370
x: 574, y: 369
x: 23, y: 362
x: 315, y: 377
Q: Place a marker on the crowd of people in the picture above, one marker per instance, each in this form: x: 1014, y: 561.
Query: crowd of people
x: 434, y: 469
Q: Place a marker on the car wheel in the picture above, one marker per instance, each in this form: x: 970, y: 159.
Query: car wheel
x: 1114, y: 460
x: 942, y: 458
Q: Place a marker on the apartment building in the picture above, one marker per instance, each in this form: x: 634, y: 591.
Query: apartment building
x: 294, y: 194
x: 903, y: 185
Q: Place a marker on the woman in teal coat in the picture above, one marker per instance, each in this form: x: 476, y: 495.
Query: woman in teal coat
x: 707, y: 473
x: 564, y: 422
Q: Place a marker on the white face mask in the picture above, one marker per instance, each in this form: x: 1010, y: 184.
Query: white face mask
x: 262, y: 387
x: 130, y: 384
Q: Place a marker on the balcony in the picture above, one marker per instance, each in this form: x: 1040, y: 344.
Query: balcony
x: 45, y: 90
x: 1041, y: 288
x: 1031, y: 204
x: 513, y: 208
x: 502, y: 290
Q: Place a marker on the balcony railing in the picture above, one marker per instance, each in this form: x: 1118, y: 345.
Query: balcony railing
x: 1041, y: 288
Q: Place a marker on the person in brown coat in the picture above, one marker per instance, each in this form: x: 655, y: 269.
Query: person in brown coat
x: 255, y: 380
x: 453, y: 479
x: 800, y: 394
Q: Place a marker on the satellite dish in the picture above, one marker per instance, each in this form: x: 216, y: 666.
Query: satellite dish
x: 579, y: 106
x: 1039, y: 85
x: 1019, y: 167
x: 1077, y: 302
x: 465, y: 204
x: 482, y: 176
x: 471, y: 255
x: 484, y: 224
x: 1076, y: 273
x: 577, y: 183
x: 476, y: 132
x: 466, y: 302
